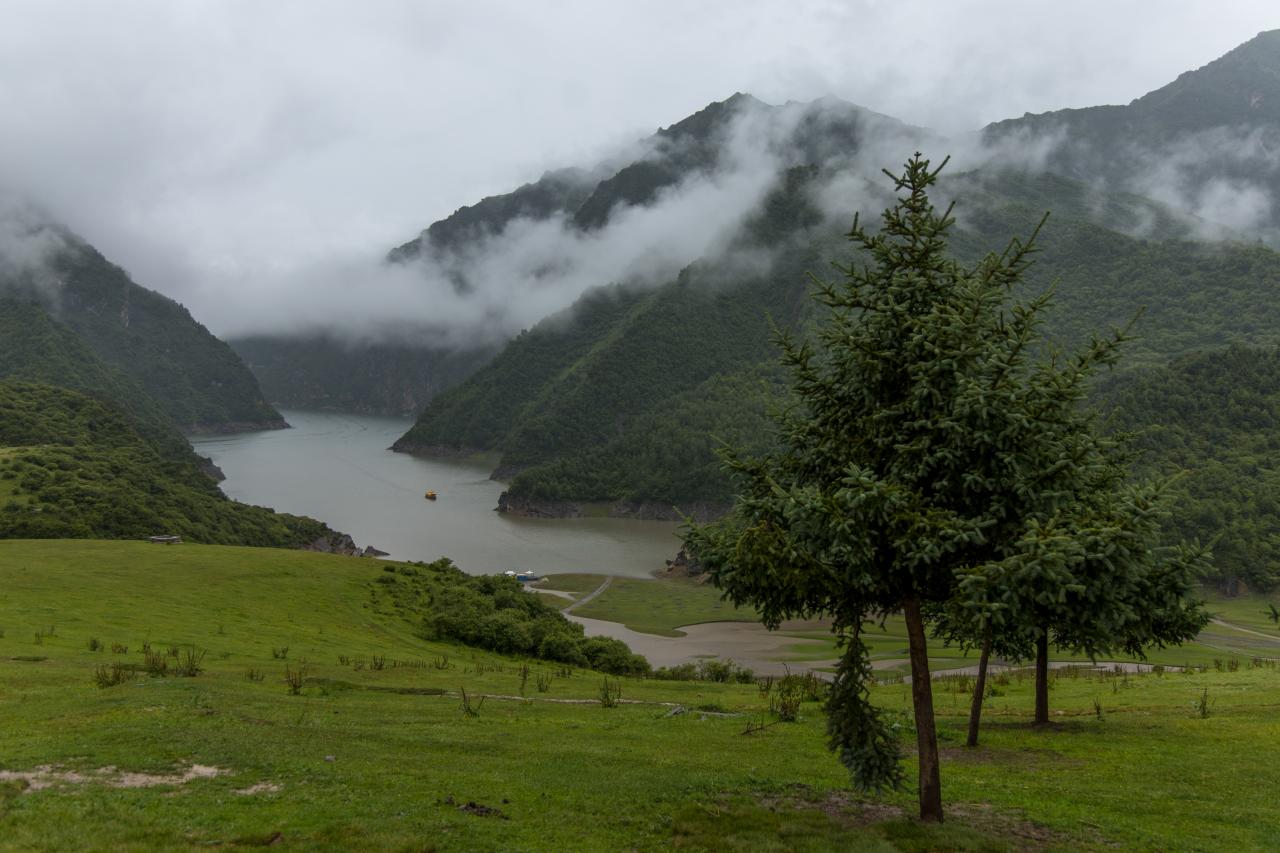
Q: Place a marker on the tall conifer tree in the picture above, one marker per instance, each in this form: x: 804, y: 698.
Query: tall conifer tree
x: 925, y: 448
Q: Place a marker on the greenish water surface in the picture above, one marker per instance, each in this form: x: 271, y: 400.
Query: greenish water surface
x: 337, y: 467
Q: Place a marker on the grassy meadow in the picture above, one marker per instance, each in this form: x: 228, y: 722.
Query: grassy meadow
x: 374, y: 746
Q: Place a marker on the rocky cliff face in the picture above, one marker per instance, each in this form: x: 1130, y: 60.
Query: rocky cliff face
x: 334, y: 543
x: 533, y: 508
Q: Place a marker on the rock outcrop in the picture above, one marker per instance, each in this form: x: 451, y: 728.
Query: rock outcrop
x: 533, y: 508
x: 334, y: 543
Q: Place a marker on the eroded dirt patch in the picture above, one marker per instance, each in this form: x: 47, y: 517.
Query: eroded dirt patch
x: 850, y: 810
x: 260, y: 788
x: 49, y: 776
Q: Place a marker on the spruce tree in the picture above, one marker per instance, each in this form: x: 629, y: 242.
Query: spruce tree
x: 925, y: 447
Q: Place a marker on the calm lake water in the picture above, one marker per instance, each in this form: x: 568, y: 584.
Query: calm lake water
x: 337, y: 468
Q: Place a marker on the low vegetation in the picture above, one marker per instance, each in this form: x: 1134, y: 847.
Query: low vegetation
x: 495, y: 613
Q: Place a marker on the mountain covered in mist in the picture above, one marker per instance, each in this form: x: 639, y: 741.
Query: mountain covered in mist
x: 572, y: 225
x: 622, y: 399
x: 1208, y: 142
x: 190, y: 375
x: 1204, y: 147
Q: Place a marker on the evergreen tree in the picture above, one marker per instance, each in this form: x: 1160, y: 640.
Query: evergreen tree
x: 926, y: 448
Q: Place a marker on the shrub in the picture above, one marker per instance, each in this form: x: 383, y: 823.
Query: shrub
x: 679, y: 672
x: 189, y: 663
x: 613, y: 656
x: 610, y: 693
x: 295, y: 678
x: 563, y: 647
x: 155, y: 664
x: 110, y: 676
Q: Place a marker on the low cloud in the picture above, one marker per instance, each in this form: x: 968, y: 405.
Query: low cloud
x: 532, y: 269
x: 528, y: 270
x: 27, y: 243
x: 1226, y: 177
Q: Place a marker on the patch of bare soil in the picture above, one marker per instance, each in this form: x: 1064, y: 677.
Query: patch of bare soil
x: 844, y: 807
x: 48, y: 776
x: 850, y: 810
x: 471, y: 807
x: 260, y: 788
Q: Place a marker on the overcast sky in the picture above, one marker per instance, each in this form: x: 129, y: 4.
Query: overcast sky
x: 209, y: 147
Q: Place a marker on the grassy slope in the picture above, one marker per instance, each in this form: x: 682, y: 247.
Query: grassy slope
x: 572, y: 776
x: 653, y: 607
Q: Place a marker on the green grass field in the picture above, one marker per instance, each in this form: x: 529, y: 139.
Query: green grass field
x: 650, y: 606
x: 377, y: 752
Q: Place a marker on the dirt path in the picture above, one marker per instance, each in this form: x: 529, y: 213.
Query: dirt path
x: 581, y: 601
x: 1272, y: 637
x: 749, y: 644
x: 1102, y: 665
x: 767, y: 652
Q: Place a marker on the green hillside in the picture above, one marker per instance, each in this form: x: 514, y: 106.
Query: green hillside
x: 193, y: 377
x: 578, y: 380
x: 625, y: 406
x: 1215, y: 416
x: 75, y: 466
x: 378, y: 751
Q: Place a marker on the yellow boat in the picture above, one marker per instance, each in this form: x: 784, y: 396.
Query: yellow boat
x: 430, y: 495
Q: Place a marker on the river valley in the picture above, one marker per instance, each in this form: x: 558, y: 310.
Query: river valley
x: 337, y: 467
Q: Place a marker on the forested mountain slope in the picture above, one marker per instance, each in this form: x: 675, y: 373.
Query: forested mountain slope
x: 576, y: 381
x: 1215, y: 417
x: 35, y: 348
x: 621, y: 405
x: 616, y: 400
x: 324, y: 372
x: 195, y: 378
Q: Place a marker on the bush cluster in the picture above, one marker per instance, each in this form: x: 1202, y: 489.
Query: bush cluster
x: 495, y: 613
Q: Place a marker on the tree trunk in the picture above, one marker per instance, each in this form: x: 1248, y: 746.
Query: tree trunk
x: 979, y: 692
x: 1042, y: 680
x: 922, y: 698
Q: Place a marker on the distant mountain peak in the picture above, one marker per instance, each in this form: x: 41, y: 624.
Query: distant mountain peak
x: 1240, y: 87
